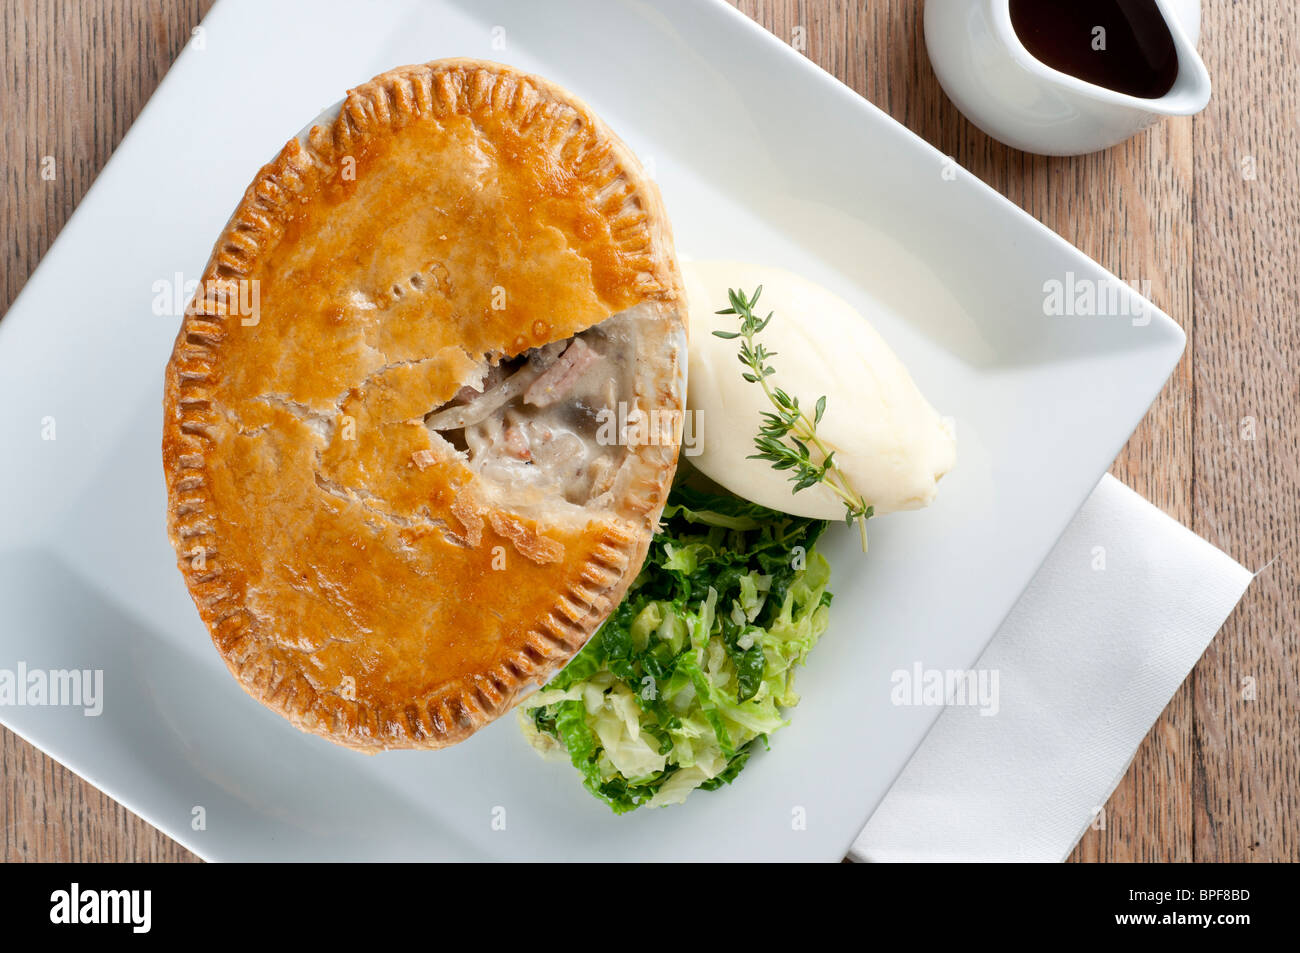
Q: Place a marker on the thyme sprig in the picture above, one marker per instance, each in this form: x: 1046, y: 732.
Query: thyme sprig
x: 787, y: 438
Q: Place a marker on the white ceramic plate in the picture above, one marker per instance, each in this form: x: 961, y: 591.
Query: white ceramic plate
x: 760, y: 156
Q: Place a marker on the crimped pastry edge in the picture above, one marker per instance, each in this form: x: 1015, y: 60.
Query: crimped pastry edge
x: 460, y: 707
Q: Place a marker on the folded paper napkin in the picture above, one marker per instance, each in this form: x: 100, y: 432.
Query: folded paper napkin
x: 1086, y: 661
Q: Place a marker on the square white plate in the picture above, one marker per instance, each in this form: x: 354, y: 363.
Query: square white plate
x: 760, y: 156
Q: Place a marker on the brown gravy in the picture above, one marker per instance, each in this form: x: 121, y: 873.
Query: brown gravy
x: 1124, y: 45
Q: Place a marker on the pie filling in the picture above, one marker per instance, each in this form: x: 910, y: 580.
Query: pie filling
x: 543, y: 425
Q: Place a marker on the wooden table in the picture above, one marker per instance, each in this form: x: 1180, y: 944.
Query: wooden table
x: 1219, y: 776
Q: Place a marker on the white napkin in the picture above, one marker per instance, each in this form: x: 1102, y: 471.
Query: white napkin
x: 1087, y: 660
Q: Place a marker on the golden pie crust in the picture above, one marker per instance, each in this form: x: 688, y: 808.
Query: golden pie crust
x: 358, y: 577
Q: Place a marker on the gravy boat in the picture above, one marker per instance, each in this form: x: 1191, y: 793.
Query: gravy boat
x: 1018, y: 99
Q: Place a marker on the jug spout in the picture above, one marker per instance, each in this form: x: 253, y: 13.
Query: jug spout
x: 1191, y: 90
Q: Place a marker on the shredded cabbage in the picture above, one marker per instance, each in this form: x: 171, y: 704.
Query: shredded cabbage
x: 696, y: 665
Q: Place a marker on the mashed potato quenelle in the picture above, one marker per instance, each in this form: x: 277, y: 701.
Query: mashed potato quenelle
x: 890, y: 443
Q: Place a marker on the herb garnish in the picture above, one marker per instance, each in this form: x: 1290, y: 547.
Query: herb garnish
x: 787, y: 437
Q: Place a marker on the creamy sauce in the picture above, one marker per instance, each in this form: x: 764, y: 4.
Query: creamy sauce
x: 887, y: 438
x: 531, y: 427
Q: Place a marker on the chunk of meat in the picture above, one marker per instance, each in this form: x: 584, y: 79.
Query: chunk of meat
x: 493, y: 376
x: 484, y: 405
x: 558, y: 379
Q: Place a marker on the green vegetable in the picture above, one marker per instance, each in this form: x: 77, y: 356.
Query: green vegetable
x: 696, y: 665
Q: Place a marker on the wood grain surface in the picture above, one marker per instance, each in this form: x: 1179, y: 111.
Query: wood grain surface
x: 1207, y: 209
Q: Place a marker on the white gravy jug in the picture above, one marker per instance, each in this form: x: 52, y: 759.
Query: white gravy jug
x: 1001, y: 87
